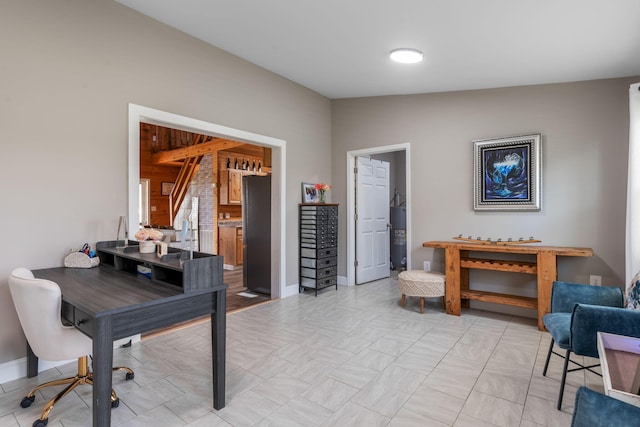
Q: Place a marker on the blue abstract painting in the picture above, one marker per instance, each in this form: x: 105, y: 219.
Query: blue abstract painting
x: 506, y: 173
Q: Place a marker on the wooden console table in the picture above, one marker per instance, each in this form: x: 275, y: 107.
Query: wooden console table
x: 458, y: 262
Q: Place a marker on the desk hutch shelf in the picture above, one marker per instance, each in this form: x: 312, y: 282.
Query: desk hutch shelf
x: 202, y: 272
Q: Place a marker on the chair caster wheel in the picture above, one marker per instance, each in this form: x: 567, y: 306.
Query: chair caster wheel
x: 115, y: 403
x: 130, y: 376
x: 39, y: 423
x: 27, y: 401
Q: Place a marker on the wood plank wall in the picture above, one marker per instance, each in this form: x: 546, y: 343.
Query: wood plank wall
x: 157, y: 174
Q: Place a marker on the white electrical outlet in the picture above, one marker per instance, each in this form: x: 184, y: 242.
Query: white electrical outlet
x: 595, y: 280
x: 427, y: 265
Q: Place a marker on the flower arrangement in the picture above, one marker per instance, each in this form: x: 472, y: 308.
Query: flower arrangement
x: 148, y: 234
x: 148, y: 238
x: 322, y: 188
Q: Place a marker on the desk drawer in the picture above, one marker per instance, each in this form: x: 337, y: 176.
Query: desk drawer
x: 83, y: 321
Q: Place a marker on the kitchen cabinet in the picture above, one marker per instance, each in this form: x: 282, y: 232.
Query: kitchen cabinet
x: 230, y: 245
x: 239, y: 248
x: 231, y: 186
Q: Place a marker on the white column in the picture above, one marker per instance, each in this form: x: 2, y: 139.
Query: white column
x: 633, y: 186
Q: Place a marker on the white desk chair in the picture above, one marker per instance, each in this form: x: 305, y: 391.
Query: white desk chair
x: 38, y: 303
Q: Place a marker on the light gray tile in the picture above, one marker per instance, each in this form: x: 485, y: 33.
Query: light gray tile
x: 159, y: 416
x: 354, y: 375
x: 543, y: 412
x: 330, y: 393
x: 431, y: 406
x: 281, y: 388
x: 352, y: 415
x: 372, y: 359
x: 8, y: 420
x: 209, y: 420
x: 492, y: 409
x: 247, y: 409
x: 297, y: 412
x: 454, y: 376
x: 502, y: 385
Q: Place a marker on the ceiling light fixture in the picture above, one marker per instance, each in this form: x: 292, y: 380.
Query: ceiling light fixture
x: 406, y: 56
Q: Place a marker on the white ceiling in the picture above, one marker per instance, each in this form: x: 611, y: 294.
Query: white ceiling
x: 339, y: 48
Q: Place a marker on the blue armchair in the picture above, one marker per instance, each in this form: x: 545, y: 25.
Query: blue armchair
x: 578, y: 312
x: 594, y: 409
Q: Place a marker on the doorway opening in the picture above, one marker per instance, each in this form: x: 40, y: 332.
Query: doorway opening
x: 399, y: 149
x: 139, y: 114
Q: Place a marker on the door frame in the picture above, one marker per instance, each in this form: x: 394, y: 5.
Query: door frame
x: 138, y: 114
x: 351, y: 201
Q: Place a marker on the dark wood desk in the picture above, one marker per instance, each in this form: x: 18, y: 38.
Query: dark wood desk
x: 107, y: 304
x: 458, y: 262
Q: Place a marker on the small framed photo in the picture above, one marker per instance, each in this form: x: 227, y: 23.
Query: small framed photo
x: 166, y: 189
x: 309, y: 193
x: 506, y: 174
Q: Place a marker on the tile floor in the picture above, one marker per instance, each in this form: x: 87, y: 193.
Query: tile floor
x: 351, y: 357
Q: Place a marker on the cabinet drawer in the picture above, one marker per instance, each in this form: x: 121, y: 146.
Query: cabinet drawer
x: 318, y: 283
x: 321, y: 253
x: 318, y: 263
x: 318, y: 273
x: 312, y: 244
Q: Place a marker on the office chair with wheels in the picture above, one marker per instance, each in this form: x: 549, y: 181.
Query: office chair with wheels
x: 578, y: 312
x: 38, y: 303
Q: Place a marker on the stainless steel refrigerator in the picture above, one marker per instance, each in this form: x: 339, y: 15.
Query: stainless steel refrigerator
x: 256, y: 233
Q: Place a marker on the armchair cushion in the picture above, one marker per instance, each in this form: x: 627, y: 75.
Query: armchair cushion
x: 587, y: 320
x: 558, y: 325
x: 593, y: 409
x: 565, y: 295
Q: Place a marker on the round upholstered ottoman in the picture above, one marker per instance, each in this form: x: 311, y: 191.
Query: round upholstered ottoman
x: 423, y: 284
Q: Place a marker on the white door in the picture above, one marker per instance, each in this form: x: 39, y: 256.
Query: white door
x: 372, y: 220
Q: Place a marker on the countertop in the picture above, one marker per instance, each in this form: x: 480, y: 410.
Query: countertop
x: 231, y: 222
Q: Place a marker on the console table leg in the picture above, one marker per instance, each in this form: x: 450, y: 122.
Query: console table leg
x: 452, y: 280
x: 547, y: 274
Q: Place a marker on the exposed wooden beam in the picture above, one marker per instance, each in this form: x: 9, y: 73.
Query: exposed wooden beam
x: 193, y: 151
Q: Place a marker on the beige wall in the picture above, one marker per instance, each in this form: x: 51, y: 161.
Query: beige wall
x: 68, y: 71
x: 584, y: 127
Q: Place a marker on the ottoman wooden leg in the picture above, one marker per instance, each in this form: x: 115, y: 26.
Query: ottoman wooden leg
x: 421, y: 305
x: 402, y: 300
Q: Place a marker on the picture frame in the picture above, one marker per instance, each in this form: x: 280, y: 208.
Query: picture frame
x: 166, y: 188
x: 309, y: 193
x: 506, y: 174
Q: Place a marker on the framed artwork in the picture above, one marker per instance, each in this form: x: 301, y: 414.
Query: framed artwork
x: 166, y: 188
x: 309, y: 193
x: 506, y: 174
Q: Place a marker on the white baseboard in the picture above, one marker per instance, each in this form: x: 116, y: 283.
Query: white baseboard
x: 290, y: 290
x: 294, y: 289
x: 15, y: 369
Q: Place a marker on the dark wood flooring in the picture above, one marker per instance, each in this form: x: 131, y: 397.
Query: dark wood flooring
x: 235, y: 302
